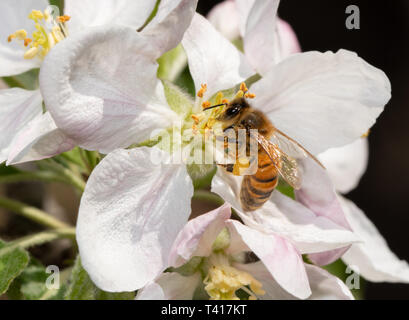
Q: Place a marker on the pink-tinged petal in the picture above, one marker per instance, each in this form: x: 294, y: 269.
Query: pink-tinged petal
x: 311, y: 97
x: 17, y: 108
x: 273, y: 291
x: 260, y: 39
x: 14, y: 15
x: 281, y: 215
x: 86, y: 13
x: 212, y: 58
x: 318, y: 194
x: 244, y: 8
x: 40, y: 139
x: 101, y: 89
x: 170, y: 286
x: 287, y: 40
x: 167, y: 28
x: 278, y: 255
x: 325, y: 286
x: 129, y: 217
x: 198, y: 235
x: 346, y: 165
x: 226, y: 19
x: 372, y: 258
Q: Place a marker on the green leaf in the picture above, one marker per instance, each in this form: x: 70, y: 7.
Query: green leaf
x: 7, y: 170
x: 27, y: 80
x: 13, y: 260
x: 81, y: 287
x: 172, y: 64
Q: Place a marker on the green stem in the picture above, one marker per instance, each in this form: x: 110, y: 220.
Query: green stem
x: 66, y: 174
x: 208, y: 196
x: 32, y: 213
x: 42, y: 237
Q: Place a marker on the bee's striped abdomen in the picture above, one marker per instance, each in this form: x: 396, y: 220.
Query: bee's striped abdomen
x: 256, y: 189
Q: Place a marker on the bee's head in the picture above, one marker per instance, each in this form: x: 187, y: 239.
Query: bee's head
x: 232, y: 111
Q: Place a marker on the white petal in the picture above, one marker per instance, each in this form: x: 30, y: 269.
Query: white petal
x: 170, y: 286
x: 130, y: 214
x: 317, y: 193
x: 198, y: 236
x: 260, y: 40
x: 40, y: 139
x: 273, y: 291
x: 372, y: 258
x: 244, y: 8
x: 167, y: 28
x: 14, y: 16
x: 283, y: 216
x: 346, y: 165
x: 17, y: 108
x: 101, y: 89
x: 325, y: 286
x: 226, y: 19
x: 323, y: 100
x: 287, y: 40
x: 279, y: 256
x: 212, y: 58
x: 87, y: 13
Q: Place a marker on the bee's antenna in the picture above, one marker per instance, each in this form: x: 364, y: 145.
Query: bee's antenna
x: 215, y: 106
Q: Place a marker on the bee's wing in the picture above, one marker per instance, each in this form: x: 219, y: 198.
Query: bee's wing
x: 285, y: 164
x: 291, y: 147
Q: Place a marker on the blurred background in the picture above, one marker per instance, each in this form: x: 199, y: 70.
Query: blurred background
x: 383, y: 41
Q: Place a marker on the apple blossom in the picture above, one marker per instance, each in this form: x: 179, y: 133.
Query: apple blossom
x: 211, y: 249
x: 36, y: 136
x: 105, y: 97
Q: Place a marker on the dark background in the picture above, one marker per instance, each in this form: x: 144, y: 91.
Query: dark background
x: 383, y: 41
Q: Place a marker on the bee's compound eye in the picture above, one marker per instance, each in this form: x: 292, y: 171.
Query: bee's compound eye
x: 233, y: 110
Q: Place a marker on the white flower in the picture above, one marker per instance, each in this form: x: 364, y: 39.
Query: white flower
x: 26, y: 133
x: 216, y: 244
x: 105, y: 97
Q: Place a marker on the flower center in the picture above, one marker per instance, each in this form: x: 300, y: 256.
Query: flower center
x: 223, y: 280
x: 203, y: 120
x: 48, y: 32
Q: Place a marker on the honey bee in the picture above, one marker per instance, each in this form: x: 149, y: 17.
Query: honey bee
x: 277, y: 153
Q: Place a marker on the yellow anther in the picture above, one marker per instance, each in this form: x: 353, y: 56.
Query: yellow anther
x: 243, y: 87
x: 202, y: 90
x: 206, y: 104
x: 63, y: 19
x: 195, y: 118
x: 27, y: 41
x: 240, y: 94
x: 36, y: 15
x: 223, y: 281
x: 10, y: 37
x: 250, y: 95
x: 224, y: 101
x: 21, y: 34
x: 31, y: 53
x: 366, y: 134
